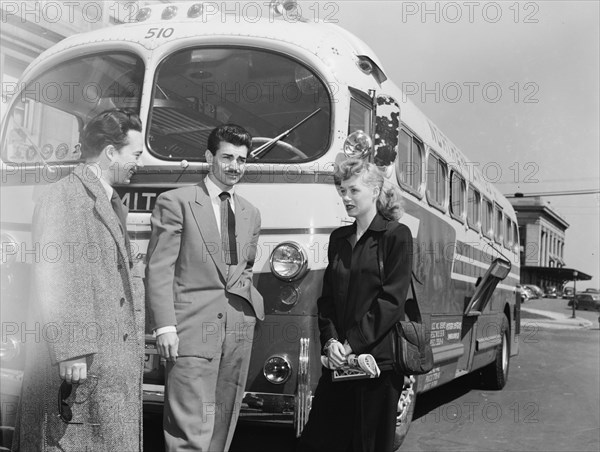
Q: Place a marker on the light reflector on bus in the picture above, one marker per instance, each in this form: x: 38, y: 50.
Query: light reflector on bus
x: 195, y: 10
x: 358, y: 144
x: 277, y: 369
x: 289, y: 261
x: 143, y: 14
x: 280, y: 6
x: 169, y: 12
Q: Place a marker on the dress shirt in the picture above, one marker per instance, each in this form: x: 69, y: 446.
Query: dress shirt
x: 213, y: 193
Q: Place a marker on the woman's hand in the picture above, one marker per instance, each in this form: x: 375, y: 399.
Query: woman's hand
x: 336, y: 354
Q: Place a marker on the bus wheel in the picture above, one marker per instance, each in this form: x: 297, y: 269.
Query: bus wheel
x: 406, y: 408
x: 495, y: 375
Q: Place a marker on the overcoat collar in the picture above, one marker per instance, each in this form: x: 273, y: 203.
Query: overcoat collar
x: 207, y: 224
x: 89, y: 176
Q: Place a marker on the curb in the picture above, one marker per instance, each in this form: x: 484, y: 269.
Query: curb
x: 555, y: 320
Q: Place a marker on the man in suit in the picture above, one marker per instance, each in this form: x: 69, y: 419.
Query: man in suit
x: 201, y: 298
x: 87, y: 305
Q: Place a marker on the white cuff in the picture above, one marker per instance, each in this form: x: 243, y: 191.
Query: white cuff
x: 165, y: 329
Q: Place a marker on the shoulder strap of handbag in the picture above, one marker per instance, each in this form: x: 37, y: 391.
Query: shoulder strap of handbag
x: 380, y: 259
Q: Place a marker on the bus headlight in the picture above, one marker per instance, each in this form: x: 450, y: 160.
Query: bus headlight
x: 277, y: 369
x: 358, y: 145
x: 289, y: 261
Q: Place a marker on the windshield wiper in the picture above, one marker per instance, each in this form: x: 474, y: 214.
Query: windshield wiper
x: 262, y: 150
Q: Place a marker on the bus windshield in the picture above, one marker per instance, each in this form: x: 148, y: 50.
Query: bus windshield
x: 267, y: 93
x: 45, y: 121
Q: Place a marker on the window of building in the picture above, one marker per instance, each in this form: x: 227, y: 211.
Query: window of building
x: 409, y: 164
x: 437, y: 174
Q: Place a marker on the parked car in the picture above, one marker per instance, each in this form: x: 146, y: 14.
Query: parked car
x: 538, y: 293
x: 568, y: 292
x: 551, y: 292
x: 587, y: 300
x: 524, y: 292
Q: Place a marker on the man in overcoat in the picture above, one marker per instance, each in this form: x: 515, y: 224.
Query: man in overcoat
x: 83, y: 376
x: 201, y: 298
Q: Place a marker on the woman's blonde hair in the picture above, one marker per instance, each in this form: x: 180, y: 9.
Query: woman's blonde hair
x: 389, y: 202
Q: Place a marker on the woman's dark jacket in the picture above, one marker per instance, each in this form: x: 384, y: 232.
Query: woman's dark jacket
x: 359, y: 303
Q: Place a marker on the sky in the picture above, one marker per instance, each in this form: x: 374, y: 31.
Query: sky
x: 528, y: 105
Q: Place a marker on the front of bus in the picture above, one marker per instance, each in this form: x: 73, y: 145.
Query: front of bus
x: 301, y: 89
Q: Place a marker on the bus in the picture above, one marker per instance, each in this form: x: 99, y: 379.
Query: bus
x: 315, y: 95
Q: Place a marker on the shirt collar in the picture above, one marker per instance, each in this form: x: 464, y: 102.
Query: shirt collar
x: 214, y: 191
x: 378, y: 224
x: 107, y: 188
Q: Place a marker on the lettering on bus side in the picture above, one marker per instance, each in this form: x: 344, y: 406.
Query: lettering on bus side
x: 442, y: 332
x: 141, y: 200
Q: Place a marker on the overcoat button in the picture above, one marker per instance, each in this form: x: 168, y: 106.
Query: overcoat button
x: 122, y: 301
x: 119, y: 267
x: 219, y: 316
x: 125, y: 336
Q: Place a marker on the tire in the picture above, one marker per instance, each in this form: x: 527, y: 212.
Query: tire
x: 495, y: 374
x: 406, y: 408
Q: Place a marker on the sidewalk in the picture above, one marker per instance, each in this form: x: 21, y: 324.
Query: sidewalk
x: 549, y: 319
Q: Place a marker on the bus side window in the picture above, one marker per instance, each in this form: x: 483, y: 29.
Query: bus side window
x: 498, y: 233
x: 486, y: 219
x: 474, y: 209
x: 437, y: 174
x: 409, y: 164
x: 457, y: 196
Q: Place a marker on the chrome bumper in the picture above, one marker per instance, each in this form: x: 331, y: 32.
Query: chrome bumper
x: 256, y: 406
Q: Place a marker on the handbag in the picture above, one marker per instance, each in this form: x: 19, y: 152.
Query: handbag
x: 411, y: 349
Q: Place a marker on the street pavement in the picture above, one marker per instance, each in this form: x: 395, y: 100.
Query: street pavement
x: 555, y: 313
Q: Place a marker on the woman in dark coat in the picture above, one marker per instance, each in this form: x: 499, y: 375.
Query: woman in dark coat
x: 359, y: 305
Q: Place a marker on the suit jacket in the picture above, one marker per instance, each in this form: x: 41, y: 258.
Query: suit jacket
x: 87, y: 301
x: 187, y: 280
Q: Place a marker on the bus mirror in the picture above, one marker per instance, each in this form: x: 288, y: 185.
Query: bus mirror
x: 500, y: 269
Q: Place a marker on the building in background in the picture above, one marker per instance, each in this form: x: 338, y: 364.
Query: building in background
x: 542, y: 240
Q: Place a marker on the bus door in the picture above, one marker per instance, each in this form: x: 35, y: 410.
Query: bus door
x: 497, y: 271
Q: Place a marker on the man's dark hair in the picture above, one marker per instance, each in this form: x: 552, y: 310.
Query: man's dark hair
x: 229, y: 133
x: 108, y: 128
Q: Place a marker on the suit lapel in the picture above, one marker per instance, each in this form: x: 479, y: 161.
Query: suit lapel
x: 204, y: 216
x: 103, y: 208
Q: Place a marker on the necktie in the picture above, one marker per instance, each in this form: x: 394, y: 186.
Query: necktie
x: 119, y: 208
x: 228, y: 230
